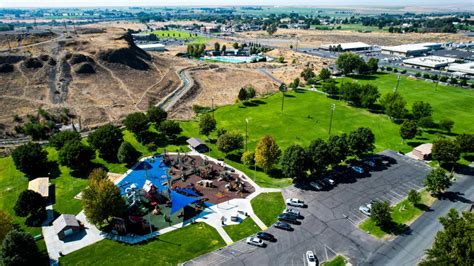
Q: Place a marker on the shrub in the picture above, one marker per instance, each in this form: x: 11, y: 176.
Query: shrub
x: 127, y: 154
x: 248, y: 158
x: 418, y: 74
x: 60, y: 139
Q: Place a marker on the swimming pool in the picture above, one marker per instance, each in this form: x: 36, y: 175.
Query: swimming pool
x: 151, y: 169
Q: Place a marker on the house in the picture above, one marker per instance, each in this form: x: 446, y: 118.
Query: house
x: 423, y: 152
x: 197, y: 145
x: 40, y: 185
x: 66, y: 225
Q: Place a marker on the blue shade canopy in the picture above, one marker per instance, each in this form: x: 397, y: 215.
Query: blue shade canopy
x: 188, y: 191
x: 180, y: 201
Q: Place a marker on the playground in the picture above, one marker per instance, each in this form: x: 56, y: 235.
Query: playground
x: 169, y: 189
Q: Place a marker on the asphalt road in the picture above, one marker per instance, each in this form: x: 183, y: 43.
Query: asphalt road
x: 409, y: 249
x: 329, y: 224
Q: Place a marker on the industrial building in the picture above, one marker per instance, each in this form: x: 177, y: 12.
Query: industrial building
x: 466, y: 68
x: 346, y: 47
x: 429, y: 62
x: 407, y: 50
x: 157, y: 47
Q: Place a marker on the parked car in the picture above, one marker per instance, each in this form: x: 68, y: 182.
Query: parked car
x: 255, y: 241
x: 287, y: 217
x: 311, y: 259
x: 365, y: 209
x: 295, y: 202
x: 369, y: 163
x: 358, y: 169
x: 266, y: 236
x: 316, y: 185
x: 283, y: 225
x: 329, y: 181
x: 293, y: 211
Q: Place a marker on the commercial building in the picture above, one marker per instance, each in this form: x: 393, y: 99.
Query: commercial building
x: 415, y: 49
x: 346, y: 47
x: 466, y: 68
x: 429, y: 62
x: 158, y: 47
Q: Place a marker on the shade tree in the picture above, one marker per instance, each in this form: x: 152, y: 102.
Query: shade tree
x: 30, y: 158
x: 361, y: 141
x: 267, y: 153
x: 59, y: 139
x: 437, y: 181
x: 230, y: 141
x: 294, y: 162
x: 19, y: 248
x: 106, y: 139
x: 76, y: 155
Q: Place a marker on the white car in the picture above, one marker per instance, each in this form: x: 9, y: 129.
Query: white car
x: 293, y: 211
x: 330, y: 181
x: 255, y: 241
x: 311, y: 259
x: 295, y: 202
x: 365, y: 209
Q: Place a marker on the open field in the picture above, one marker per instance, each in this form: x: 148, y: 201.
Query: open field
x: 169, y: 249
x: 403, y: 213
x: 239, y: 231
x: 181, y: 35
x: 267, y: 206
x: 351, y: 27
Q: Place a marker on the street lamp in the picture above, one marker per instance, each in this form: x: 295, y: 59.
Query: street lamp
x: 246, y: 133
x: 212, y: 104
x: 333, y: 106
x: 398, y: 83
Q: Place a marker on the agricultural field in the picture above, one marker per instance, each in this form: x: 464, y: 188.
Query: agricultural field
x: 350, y: 27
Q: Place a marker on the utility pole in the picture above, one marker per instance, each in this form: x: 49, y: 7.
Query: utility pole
x: 398, y: 83
x: 333, y: 106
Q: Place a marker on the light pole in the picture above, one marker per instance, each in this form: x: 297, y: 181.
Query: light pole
x: 282, y: 90
x: 398, y: 83
x: 333, y: 106
x: 246, y: 133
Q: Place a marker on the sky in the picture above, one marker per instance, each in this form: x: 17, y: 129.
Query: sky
x: 103, y: 3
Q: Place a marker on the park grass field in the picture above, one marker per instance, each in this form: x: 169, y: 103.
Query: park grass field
x: 169, y: 249
x: 267, y: 206
x: 181, y: 35
x: 336, y: 261
x: 239, y: 231
x: 403, y: 212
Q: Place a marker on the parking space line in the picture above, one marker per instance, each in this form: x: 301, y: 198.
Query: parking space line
x: 396, y: 196
x: 395, y: 193
x: 415, y: 185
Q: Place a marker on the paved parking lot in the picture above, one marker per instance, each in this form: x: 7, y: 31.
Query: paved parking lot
x: 330, y: 219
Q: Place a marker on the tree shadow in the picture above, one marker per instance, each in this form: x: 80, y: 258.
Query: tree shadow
x: 179, y: 141
x: 414, y: 143
x: 275, y: 173
x: 396, y: 228
x: 299, y: 91
x: 49, y: 169
x: 235, y: 157
x: 454, y: 197
x: 83, y: 173
x: 423, y: 207
x: 289, y: 96
x: 363, y: 77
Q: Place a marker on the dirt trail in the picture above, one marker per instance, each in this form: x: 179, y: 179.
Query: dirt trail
x: 120, y: 82
x: 152, y: 86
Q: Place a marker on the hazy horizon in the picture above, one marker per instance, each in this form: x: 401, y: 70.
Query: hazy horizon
x: 151, y: 3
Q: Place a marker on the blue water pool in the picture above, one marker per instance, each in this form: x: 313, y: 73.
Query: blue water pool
x: 149, y: 169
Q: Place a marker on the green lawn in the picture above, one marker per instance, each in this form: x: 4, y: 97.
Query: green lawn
x: 402, y: 213
x: 267, y: 206
x: 336, y: 261
x: 169, y: 249
x: 351, y: 27
x: 239, y: 231
x: 181, y: 35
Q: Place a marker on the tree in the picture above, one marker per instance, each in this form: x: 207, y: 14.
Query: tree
x: 329, y: 86
x: 242, y: 95
x: 217, y: 46
x: 6, y: 224
x: 426, y: 122
x: 294, y: 162
x: 221, y: 131
x: 446, y: 124
x: 351, y: 93
x: 373, y: 65
x: 248, y: 158
x: 453, y: 245
x: 37, y: 131
x: 19, y: 248
x: 362, y: 68
x: 235, y: 45
x: 437, y: 181
x: 76, y: 155
x: 380, y: 213
x: 101, y: 200
x: 421, y: 109
x: 207, y: 124
x: 156, y: 115
x: 59, y: 139
x: 394, y: 105
x: 267, y: 153
x: 127, y: 154
x: 224, y: 48
x: 361, y: 141
x: 325, y: 74
x: 170, y: 128
x: 295, y: 84
x: 271, y: 29
x: 30, y: 158
x: 251, y: 92
x: 307, y: 74
x: 445, y: 151
x: 348, y: 62
x: 465, y: 142
x: 136, y: 122
x: 414, y: 197
x: 32, y: 205
x: 107, y: 140
x: 338, y: 148
x: 368, y: 95
x: 319, y: 156
x: 408, y: 129
x: 230, y: 141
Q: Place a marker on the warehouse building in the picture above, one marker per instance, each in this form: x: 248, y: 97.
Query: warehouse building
x: 157, y: 47
x: 407, y: 50
x: 466, y: 68
x: 429, y: 62
x: 347, y: 47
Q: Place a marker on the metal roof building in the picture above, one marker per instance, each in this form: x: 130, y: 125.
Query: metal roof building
x: 349, y: 46
x: 466, y: 68
x: 415, y: 49
x: 197, y: 145
x: 152, y: 47
x: 434, y: 62
x: 65, y: 225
